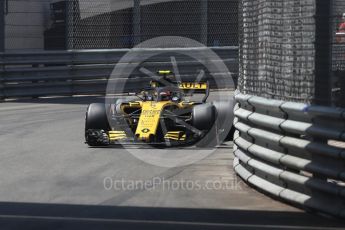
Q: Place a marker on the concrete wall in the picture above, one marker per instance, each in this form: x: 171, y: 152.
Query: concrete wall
x: 25, y: 23
x: 27, y: 20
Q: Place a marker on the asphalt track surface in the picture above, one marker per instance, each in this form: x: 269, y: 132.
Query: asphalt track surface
x: 50, y: 178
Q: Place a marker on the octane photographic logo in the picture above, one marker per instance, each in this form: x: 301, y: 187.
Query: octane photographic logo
x: 141, y: 64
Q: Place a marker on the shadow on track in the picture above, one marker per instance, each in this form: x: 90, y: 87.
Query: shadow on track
x: 64, y: 216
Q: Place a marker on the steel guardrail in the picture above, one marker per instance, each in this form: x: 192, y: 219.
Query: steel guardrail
x: 78, y: 72
x: 293, y: 151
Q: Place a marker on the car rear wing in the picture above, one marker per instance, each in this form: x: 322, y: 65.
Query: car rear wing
x: 190, y: 88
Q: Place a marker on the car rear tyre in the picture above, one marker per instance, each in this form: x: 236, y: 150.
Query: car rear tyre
x: 204, y: 117
x: 224, y: 119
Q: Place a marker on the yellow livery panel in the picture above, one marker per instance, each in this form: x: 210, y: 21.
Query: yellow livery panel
x: 192, y: 85
x: 149, y: 119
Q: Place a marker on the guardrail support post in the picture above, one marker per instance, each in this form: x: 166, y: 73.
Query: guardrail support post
x: 2, y: 48
x: 323, y: 52
x: 204, y: 22
x: 2, y: 25
x: 323, y: 64
x: 136, y: 23
x: 2, y: 73
x: 72, y: 16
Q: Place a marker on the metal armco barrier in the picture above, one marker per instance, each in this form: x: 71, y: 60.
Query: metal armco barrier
x: 292, y: 151
x: 79, y: 72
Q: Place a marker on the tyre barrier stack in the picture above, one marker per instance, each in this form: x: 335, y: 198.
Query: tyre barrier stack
x: 292, y: 151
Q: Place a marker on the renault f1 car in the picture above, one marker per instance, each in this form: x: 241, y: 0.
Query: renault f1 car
x: 161, y: 116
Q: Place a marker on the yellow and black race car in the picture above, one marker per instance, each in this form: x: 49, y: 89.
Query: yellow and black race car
x: 161, y: 116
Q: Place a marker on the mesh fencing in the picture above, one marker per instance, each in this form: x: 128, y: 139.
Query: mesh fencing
x: 338, y: 31
x: 93, y: 24
x: 104, y: 24
x: 125, y: 23
x: 277, y: 55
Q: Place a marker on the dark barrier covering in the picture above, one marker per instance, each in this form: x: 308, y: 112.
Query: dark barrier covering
x: 293, y: 50
x: 338, y: 54
x: 277, y: 49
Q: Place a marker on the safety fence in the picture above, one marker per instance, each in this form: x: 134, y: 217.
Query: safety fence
x: 277, y: 49
x: 114, y: 24
x: 292, y: 151
x: 124, y: 24
x: 293, y: 50
x: 80, y: 72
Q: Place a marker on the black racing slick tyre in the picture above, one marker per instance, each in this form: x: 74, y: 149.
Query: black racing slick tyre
x: 96, y: 117
x: 203, y: 119
x: 204, y: 116
x: 225, y: 119
x: 96, y: 125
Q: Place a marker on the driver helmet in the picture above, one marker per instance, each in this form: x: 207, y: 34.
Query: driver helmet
x: 165, y: 95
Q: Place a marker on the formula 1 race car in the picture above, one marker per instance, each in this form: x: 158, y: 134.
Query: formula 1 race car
x: 161, y: 116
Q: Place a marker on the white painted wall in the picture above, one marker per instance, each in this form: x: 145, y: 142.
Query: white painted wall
x: 25, y: 23
x: 27, y: 19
